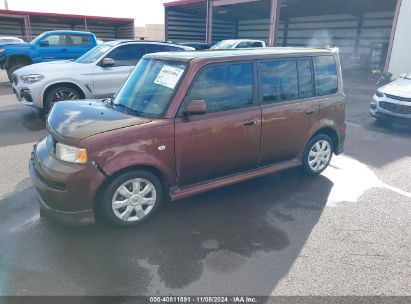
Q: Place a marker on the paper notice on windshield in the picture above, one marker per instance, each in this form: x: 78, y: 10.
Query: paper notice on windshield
x: 168, y: 76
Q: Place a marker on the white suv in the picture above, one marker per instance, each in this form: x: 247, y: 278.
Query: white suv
x: 99, y: 73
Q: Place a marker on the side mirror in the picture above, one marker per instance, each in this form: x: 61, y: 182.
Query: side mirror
x: 107, y: 62
x: 195, y: 107
x: 44, y: 42
x: 403, y: 75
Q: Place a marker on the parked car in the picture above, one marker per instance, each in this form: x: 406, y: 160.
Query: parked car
x: 238, y: 44
x: 187, y: 122
x: 97, y: 74
x: 197, y: 45
x: 392, y: 102
x: 7, y: 39
x: 49, y: 46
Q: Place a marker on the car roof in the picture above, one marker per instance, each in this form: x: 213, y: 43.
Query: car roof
x: 68, y: 32
x: 238, y: 53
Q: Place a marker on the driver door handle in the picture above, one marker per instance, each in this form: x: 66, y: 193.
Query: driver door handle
x: 250, y: 122
x: 308, y: 112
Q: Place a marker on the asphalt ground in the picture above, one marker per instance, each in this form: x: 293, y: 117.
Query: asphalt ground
x: 345, y: 232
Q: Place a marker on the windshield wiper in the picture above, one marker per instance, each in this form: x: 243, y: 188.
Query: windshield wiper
x: 128, y: 109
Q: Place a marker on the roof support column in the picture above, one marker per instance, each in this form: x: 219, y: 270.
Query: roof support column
x: 209, y: 22
x: 27, y: 28
x: 274, y: 20
x: 85, y: 24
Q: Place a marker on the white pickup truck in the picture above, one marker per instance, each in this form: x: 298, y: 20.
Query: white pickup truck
x: 238, y: 44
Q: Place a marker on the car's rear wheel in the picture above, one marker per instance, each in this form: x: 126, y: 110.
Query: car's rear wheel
x: 58, y: 94
x: 131, y: 198
x: 317, y: 154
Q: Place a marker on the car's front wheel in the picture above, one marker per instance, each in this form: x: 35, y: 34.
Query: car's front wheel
x: 131, y: 198
x: 317, y: 154
x: 58, y: 94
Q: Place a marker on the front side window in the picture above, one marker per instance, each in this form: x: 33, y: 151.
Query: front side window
x: 279, y: 80
x: 150, y: 87
x: 126, y: 54
x: 55, y: 40
x: 224, y: 87
x: 326, y: 81
x: 94, y: 54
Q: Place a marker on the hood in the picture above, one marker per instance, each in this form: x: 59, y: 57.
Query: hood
x: 72, y: 121
x: 14, y: 45
x: 400, y: 87
x: 43, y: 68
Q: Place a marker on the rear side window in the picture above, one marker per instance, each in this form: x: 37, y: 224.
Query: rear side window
x: 153, y: 48
x: 224, y: 87
x: 80, y: 40
x: 326, y: 81
x: 126, y: 54
x: 279, y: 80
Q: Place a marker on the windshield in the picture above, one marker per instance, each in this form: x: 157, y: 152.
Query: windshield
x: 94, y: 54
x: 225, y: 44
x: 148, y: 90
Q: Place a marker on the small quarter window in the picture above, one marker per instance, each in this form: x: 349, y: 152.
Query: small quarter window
x: 326, y: 81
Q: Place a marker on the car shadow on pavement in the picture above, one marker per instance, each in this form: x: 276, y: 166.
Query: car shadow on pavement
x: 213, y: 243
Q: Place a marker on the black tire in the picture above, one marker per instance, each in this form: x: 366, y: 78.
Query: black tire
x: 306, y: 156
x: 106, y: 207
x: 50, y: 98
x: 12, y: 69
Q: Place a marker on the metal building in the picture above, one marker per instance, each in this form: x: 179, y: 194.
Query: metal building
x: 363, y: 30
x: 27, y: 25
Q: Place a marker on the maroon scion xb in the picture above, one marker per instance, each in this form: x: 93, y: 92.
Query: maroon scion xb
x: 184, y: 123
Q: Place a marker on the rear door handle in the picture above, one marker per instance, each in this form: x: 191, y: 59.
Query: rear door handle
x: 250, y: 122
x: 309, y: 112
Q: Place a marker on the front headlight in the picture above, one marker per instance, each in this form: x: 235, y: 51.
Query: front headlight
x: 71, y: 154
x: 32, y: 78
x: 379, y: 94
x: 1, y: 50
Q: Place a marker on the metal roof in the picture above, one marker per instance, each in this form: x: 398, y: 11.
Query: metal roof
x: 43, y: 14
x: 181, y: 2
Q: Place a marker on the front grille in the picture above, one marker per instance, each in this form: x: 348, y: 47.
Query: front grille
x: 15, y: 79
x: 395, y: 108
x: 398, y: 97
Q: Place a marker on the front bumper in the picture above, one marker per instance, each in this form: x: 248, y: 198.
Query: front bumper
x: 28, y: 95
x: 391, y: 110
x: 66, y: 191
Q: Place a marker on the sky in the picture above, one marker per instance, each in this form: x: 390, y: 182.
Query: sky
x: 143, y: 11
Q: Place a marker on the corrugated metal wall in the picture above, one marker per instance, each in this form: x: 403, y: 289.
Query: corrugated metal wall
x: 356, y: 37
x: 253, y: 29
x: 185, y: 27
x: 400, y: 61
x: 224, y: 30
x: 12, y: 27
